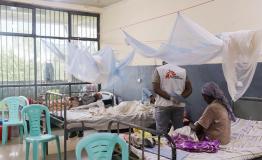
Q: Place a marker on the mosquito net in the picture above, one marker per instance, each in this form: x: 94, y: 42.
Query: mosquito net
x: 191, y: 44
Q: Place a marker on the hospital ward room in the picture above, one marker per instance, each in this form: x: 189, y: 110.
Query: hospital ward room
x: 130, y: 80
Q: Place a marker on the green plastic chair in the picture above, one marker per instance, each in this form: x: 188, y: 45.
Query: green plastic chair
x: 12, y: 107
x: 33, y: 114
x: 100, y: 146
x: 23, y: 100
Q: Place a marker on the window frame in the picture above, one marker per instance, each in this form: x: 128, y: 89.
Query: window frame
x: 33, y: 35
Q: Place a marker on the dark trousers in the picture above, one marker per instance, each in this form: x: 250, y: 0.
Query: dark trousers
x: 167, y: 116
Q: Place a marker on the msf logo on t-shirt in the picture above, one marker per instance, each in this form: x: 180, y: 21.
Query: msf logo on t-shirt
x: 172, y: 75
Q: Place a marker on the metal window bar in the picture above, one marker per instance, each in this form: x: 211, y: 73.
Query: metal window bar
x: 35, y: 54
x: 59, y: 24
x: 31, y: 22
x: 80, y: 26
x: 85, y: 24
x: 18, y: 63
x: 49, y: 102
x: 29, y: 67
x: 13, y: 57
x: 53, y: 22
x: 143, y: 144
x: 61, y: 102
x: 93, y: 26
x: 1, y: 17
x: 2, y: 72
x: 89, y: 26
x: 40, y: 52
x: 85, y: 27
x: 59, y: 65
x: 77, y: 28
x: 56, y: 104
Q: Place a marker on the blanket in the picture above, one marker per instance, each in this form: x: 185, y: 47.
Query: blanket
x: 124, y: 108
x: 186, y: 143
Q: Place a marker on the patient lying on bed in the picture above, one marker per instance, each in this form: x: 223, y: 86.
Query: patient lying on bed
x: 215, y: 122
x: 85, y: 99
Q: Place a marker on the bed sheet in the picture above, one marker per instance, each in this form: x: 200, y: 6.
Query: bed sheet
x: 98, y: 117
x: 246, y: 143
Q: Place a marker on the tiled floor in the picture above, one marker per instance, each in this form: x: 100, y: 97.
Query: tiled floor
x: 16, y: 151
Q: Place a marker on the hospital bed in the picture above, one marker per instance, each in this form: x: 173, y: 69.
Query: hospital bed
x: 246, y: 138
x: 78, y: 120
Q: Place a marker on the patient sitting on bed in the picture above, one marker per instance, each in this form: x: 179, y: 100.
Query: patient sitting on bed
x: 215, y: 122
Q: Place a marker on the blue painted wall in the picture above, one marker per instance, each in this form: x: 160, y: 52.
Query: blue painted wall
x: 130, y: 89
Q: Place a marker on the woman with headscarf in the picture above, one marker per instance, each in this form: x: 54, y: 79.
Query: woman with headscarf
x: 215, y: 122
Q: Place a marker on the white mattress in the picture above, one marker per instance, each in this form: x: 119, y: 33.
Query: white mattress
x: 98, y: 117
x: 246, y: 143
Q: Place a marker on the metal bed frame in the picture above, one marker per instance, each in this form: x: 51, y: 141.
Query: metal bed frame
x: 154, y: 132
x: 61, y: 121
x: 241, y: 111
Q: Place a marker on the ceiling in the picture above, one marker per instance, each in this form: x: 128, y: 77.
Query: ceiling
x: 95, y: 3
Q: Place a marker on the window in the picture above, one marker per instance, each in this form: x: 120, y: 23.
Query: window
x: 27, y: 66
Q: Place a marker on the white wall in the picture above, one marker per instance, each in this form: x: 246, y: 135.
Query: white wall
x: 217, y: 16
x: 61, y: 5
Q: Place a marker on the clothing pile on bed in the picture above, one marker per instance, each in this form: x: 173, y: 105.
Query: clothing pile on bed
x: 136, y: 139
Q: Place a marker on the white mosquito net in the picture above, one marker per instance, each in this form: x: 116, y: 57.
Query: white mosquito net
x: 240, y: 55
x: 190, y: 44
x: 101, y: 67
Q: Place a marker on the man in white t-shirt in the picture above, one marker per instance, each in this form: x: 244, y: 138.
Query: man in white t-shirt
x: 171, y: 85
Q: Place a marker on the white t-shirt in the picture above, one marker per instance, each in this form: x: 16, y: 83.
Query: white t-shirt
x: 172, y: 80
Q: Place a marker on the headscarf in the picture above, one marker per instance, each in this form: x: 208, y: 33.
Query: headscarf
x: 213, y: 90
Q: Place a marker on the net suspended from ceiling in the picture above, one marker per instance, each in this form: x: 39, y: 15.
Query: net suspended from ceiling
x: 191, y: 44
